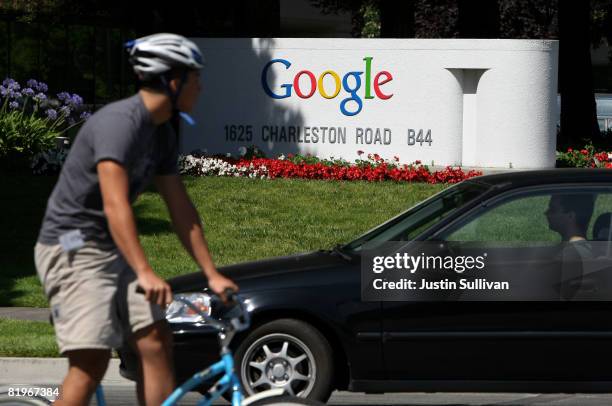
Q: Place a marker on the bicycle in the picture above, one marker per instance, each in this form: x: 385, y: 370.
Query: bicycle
x: 236, y: 319
x: 10, y: 399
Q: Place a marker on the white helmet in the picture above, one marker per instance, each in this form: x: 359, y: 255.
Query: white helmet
x: 158, y: 53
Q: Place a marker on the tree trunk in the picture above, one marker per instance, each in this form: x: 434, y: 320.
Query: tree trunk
x: 578, y: 112
x: 397, y: 19
x: 478, y: 19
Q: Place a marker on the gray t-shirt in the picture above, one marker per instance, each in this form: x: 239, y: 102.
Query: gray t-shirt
x: 122, y: 131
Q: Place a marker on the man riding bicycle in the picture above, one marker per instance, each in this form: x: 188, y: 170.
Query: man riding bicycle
x: 88, y: 255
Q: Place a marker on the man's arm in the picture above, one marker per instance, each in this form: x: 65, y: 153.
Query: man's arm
x: 188, y: 227
x: 114, y: 186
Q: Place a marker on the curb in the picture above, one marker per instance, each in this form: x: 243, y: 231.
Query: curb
x: 49, y: 371
x: 25, y: 313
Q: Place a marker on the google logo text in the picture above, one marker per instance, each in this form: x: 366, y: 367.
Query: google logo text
x: 351, y: 83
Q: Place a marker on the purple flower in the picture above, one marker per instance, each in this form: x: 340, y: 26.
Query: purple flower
x: 42, y: 87
x: 13, y: 105
x: 14, y: 94
x: 40, y: 97
x: 38, y: 86
x: 10, y: 83
x: 65, y: 111
x: 63, y: 96
x: 3, y: 91
x: 28, y: 92
x: 85, y: 115
x: 51, y: 113
x: 74, y: 101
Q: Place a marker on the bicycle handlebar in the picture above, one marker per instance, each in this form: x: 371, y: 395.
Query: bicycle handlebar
x: 230, y: 294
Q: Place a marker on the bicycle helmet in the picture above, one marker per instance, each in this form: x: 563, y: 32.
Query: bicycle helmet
x: 157, y: 55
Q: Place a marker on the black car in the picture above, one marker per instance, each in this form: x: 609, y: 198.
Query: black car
x: 312, y: 332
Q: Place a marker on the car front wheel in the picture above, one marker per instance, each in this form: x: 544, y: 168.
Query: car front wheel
x: 288, y: 354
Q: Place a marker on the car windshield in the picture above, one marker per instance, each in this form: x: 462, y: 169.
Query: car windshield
x: 414, y: 221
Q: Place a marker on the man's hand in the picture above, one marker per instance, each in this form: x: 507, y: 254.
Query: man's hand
x: 220, y: 283
x: 156, y: 289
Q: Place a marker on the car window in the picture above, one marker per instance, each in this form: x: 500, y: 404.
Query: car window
x: 413, y: 222
x: 519, y: 220
x: 600, y: 226
x: 525, y: 218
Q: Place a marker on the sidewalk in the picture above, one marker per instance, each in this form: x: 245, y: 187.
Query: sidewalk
x: 25, y: 313
x: 49, y: 371
x: 39, y: 371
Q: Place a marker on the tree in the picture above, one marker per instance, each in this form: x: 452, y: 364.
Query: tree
x: 356, y: 8
x: 478, y: 19
x: 529, y: 19
x: 578, y: 112
x: 397, y: 19
x: 436, y: 19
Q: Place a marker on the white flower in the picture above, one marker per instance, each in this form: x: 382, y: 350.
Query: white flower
x: 192, y: 165
x: 242, y: 151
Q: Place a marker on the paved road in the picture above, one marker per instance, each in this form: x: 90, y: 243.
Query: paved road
x: 48, y: 372
x: 123, y: 395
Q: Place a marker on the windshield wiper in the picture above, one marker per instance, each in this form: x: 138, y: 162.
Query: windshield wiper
x: 338, y: 250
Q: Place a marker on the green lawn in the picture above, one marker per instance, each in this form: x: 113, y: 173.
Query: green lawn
x: 244, y: 219
x: 21, y: 338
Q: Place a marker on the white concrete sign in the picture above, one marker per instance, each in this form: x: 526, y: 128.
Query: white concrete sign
x: 483, y: 103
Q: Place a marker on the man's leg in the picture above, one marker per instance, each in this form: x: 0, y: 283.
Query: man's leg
x: 80, y: 286
x: 85, y: 371
x: 154, y: 346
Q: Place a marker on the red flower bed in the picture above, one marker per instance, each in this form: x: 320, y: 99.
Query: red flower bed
x: 285, y: 168
x: 584, y: 158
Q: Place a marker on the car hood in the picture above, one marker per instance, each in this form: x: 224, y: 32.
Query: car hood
x: 271, y: 267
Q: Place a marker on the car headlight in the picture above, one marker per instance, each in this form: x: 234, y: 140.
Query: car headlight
x: 179, y: 312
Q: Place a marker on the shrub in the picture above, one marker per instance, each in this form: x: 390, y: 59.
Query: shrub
x: 586, y: 157
x: 26, y: 135
x: 48, y: 162
x: 30, y: 121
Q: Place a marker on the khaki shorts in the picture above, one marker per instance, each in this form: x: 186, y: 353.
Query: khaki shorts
x: 92, y: 295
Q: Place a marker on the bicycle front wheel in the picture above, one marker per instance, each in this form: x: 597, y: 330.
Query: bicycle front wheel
x: 6, y: 400
x: 286, y: 401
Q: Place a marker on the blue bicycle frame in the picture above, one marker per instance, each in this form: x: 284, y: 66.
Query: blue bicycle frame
x: 227, y: 381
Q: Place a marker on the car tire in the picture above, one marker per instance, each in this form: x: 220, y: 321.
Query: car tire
x: 286, y: 401
x: 289, y: 354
